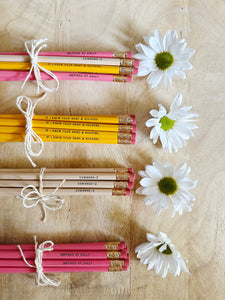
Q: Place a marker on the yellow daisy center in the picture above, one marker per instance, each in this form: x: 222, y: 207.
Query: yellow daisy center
x: 166, y: 123
x: 167, y: 185
x: 167, y: 251
x: 164, y: 60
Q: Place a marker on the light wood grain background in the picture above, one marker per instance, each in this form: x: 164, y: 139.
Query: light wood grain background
x: 119, y: 25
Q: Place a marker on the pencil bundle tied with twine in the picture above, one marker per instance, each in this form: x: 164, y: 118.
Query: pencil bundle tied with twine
x: 34, y: 130
x: 59, y: 258
x: 71, y: 65
x: 46, y: 186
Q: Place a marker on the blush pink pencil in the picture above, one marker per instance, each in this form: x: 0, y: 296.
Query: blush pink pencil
x: 105, y: 54
x: 21, y: 76
x: 66, y: 263
x: 66, y: 254
x: 73, y: 246
x: 62, y: 269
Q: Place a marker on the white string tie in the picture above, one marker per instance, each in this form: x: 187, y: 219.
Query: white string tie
x: 31, y: 137
x: 41, y: 278
x: 34, y: 197
x: 33, y: 48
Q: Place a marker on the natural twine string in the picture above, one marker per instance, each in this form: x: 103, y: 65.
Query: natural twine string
x: 31, y: 137
x: 34, y: 197
x: 33, y: 48
x: 41, y: 278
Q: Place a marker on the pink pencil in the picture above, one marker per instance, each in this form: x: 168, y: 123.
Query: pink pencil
x: 62, y: 269
x: 66, y: 254
x: 21, y: 76
x: 106, y: 54
x: 66, y: 263
x: 73, y: 246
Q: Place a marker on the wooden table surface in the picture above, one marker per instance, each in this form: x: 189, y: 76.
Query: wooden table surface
x: 119, y: 25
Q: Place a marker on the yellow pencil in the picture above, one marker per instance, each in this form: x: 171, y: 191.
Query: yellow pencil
x: 69, y: 125
x: 12, y: 137
x: 56, y: 67
x: 67, y: 132
x: 109, y: 119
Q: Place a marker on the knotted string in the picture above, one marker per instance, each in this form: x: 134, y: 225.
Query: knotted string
x: 33, y: 48
x: 41, y: 278
x: 34, y: 197
x: 31, y: 137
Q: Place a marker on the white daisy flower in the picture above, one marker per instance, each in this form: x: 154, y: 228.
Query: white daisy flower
x: 174, y: 127
x: 160, y: 254
x: 164, y: 184
x: 163, y: 58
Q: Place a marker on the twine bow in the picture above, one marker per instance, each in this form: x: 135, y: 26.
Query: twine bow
x: 31, y: 137
x: 41, y: 278
x: 34, y: 197
x: 33, y: 48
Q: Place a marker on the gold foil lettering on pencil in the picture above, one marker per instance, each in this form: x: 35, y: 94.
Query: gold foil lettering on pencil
x: 123, y: 141
x: 120, y: 55
x: 126, y: 70
x: 119, y: 263
x: 113, y: 254
x: 119, y: 78
x: 122, y: 176
x: 125, y: 119
x: 112, y: 246
x: 127, y: 62
x: 126, y: 128
x: 120, y: 184
x: 115, y: 268
x: 119, y: 192
x: 124, y: 135
x: 120, y: 170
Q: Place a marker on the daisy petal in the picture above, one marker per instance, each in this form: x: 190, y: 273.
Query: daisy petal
x: 157, y: 44
x: 151, y: 122
x: 180, y: 74
x: 157, y: 185
x: 147, y: 51
x: 157, y: 259
x: 176, y: 102
x: 155, y: 78
x: 143, y: 71
x: 153, y: 172
x: 175, y: 128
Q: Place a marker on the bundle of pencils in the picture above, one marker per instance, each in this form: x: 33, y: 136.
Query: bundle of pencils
x: 110, y: 129
x: 80, y: 257
x: 95, y: 66
x: 93, y: 181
